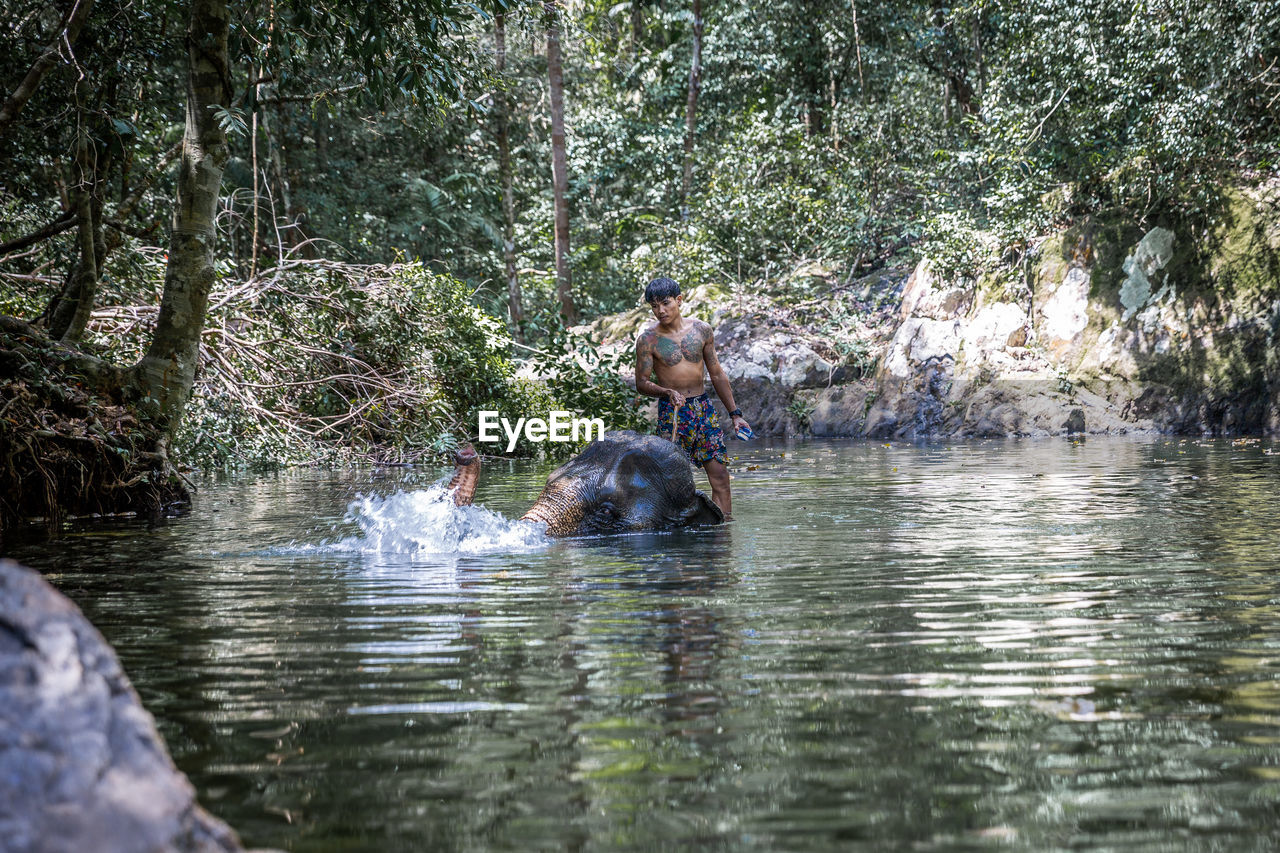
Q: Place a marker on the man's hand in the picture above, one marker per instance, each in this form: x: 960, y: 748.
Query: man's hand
x: 739, y: 422
x: 676, y: 398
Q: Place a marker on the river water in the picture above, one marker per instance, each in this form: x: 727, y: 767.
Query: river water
x: 1028, y: 645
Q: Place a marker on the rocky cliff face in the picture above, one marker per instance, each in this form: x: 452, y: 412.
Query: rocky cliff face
x: 81, y: 764
x: 1116, y: 330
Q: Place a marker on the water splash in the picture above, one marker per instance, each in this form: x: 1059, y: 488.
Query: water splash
x: 427, y: 522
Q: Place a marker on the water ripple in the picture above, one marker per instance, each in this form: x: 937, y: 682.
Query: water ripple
x: 1035, y: 645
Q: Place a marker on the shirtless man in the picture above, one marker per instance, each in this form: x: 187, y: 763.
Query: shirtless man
x: 685, y: 351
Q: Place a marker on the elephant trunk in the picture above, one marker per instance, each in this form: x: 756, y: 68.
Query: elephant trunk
x: 559, y: 508
x: 466, y: 474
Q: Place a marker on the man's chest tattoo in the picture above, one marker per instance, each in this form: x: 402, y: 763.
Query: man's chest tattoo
x: 688, y: 348
x: 669, y: 351
x: 691, y: 346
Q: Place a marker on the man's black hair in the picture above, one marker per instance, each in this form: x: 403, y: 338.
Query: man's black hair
x: 660, y: 289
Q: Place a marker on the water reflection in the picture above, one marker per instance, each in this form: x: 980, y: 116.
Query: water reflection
x: 652, y: 631
x: 1033, y: 644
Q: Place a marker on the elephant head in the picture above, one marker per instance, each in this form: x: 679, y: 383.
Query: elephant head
x: 620, y: 483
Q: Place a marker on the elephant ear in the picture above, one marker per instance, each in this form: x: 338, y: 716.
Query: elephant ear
x: 701, y: 510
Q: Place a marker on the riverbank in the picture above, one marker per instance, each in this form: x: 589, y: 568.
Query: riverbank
x: 1108, y: 327
x: 71, y: 443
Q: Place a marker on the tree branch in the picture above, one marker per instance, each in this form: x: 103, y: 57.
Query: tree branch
x: 67, y: 35
x: 66, y: 222
x: 157, y: 169
x: 315, y: 96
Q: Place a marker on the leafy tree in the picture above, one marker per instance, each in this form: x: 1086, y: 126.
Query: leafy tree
x: 724, y: 144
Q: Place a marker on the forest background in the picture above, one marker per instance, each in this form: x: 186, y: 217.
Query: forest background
x: 418, y: 201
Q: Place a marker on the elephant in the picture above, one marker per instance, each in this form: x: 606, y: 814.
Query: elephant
x: 622, y: 482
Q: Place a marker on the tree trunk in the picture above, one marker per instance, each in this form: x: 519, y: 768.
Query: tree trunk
x: 502, y: 119
x: 962, y: 91
x: 289, y: 236
x: 88, y: 271
x: 71, y: 315
x: 637, y: 29
x: 320, y: 126
x: 691, y: 109
x: 257, y: 191
x: 58, y: 314
x: 956, y: 86
x: 980, y: 56
x: 167, y: 372
x: 813, y: 62
x: 857, y: 46
x: 559, y: 165
x: 67, y: 35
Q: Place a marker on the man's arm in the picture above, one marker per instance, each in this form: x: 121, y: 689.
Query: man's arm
x: 720, y: 380
x: 644, y: 369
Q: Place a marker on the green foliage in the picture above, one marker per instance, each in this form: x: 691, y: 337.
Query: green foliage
x: 802, y: 410
x: 953, y: 132
x: 958, y: 249
x: 591, y: 379
x: 333, y: 362
x: 1065, y: 385
x: 1143, y: 107
x: 397, y: 50
x: 841, y: 329
x: 231, y: 120
x: 432, y: 317
x: 329, y: 362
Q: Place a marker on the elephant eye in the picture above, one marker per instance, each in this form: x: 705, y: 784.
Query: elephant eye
x: 607, y: 511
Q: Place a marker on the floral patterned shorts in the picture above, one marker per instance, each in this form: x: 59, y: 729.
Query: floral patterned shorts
x: 696, y: 433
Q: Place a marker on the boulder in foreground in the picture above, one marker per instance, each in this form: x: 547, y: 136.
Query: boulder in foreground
x: 82, y: 766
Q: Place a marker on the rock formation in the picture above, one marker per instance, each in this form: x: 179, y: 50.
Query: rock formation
x: 1115, y: 331
x: 82, y: 767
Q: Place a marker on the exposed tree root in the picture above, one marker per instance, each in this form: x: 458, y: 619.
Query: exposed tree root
x: 71, y: 444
